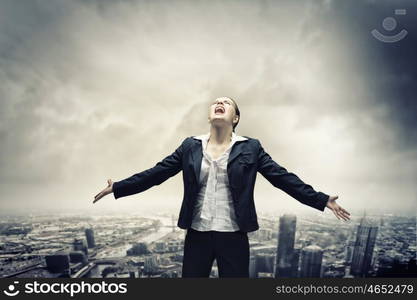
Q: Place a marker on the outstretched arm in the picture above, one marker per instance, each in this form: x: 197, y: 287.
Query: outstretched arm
x: 166, y: 168
x: 290, y: 183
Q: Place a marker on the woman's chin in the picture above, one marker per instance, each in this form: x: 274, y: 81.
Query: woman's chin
x: 218, y: 118
x: 219, y: 124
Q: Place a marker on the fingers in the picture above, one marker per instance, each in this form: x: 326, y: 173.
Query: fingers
x: 339, y: 211
x: 340, y: 214
x: 345, y: 214
x: 98, y: 197
x: 102, y: 193
x: 345, y: 211
x: 335, y: 213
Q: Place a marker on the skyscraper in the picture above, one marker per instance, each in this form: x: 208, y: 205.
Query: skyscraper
x: 252, y: 266
x: 79, y: 244
x: 151, y: 264
x: 311, y: 258
x: 89, y: 235
x: 264, y: 263
x: 295, y: 262
x: 285, y: 251
x: 363, y: 249
x: 58, y: 262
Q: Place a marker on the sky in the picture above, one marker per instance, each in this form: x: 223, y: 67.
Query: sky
x: 91, y: 90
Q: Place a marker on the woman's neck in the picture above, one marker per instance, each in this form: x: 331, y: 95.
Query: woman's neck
x: 220, y: 135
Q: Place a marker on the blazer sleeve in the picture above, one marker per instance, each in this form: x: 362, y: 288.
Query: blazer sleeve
x: 166, y: 168
x: 290, y: 183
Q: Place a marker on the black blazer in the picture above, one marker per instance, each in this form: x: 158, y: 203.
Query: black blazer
x: 246, y: 158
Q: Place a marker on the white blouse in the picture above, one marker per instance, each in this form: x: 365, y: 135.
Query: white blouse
x: 214, y: 206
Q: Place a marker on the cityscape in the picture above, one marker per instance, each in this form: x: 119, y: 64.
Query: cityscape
x: 133, y: 246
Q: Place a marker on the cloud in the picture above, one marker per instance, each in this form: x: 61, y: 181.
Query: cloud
x: 94, y: 90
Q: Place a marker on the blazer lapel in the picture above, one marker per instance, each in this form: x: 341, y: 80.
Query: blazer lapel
x: 196, y: 153
x: 235, y: 152
x: 196, y: 157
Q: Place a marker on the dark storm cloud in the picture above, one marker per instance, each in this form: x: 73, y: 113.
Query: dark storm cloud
x: 102, y: 89
x: 392, y: 68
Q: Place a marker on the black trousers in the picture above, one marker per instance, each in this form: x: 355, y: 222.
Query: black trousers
x: 230, y: 249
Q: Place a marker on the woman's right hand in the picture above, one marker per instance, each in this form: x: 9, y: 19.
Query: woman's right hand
x: 106, y: 191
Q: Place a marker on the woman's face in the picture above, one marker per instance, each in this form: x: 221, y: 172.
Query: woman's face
x: 222, y: 111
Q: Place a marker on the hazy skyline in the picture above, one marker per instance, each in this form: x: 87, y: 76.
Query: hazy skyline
x: 92, y: 90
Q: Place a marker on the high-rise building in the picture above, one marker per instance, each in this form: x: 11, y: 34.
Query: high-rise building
x: 364, y: 247
x: 78, y: 256
x: 79, y: 244
x: 89, y: 235
x: 264, y: 263
x: 151, y: 264
x: 58, y: 262
x: 349, y: 252
x: 252, y: 266
x: 285, y: 251
x: 295, y: 262
x: 311, y: 258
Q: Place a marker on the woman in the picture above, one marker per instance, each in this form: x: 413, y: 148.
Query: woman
x: 218, y: 210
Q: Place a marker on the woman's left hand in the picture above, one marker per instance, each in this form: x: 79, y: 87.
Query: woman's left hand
x: 339, y: 211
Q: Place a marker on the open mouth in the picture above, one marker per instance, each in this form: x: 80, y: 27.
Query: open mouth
x: 219, y: 110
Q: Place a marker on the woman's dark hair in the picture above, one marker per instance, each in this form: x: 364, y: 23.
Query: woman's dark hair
x: 237, y: 112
